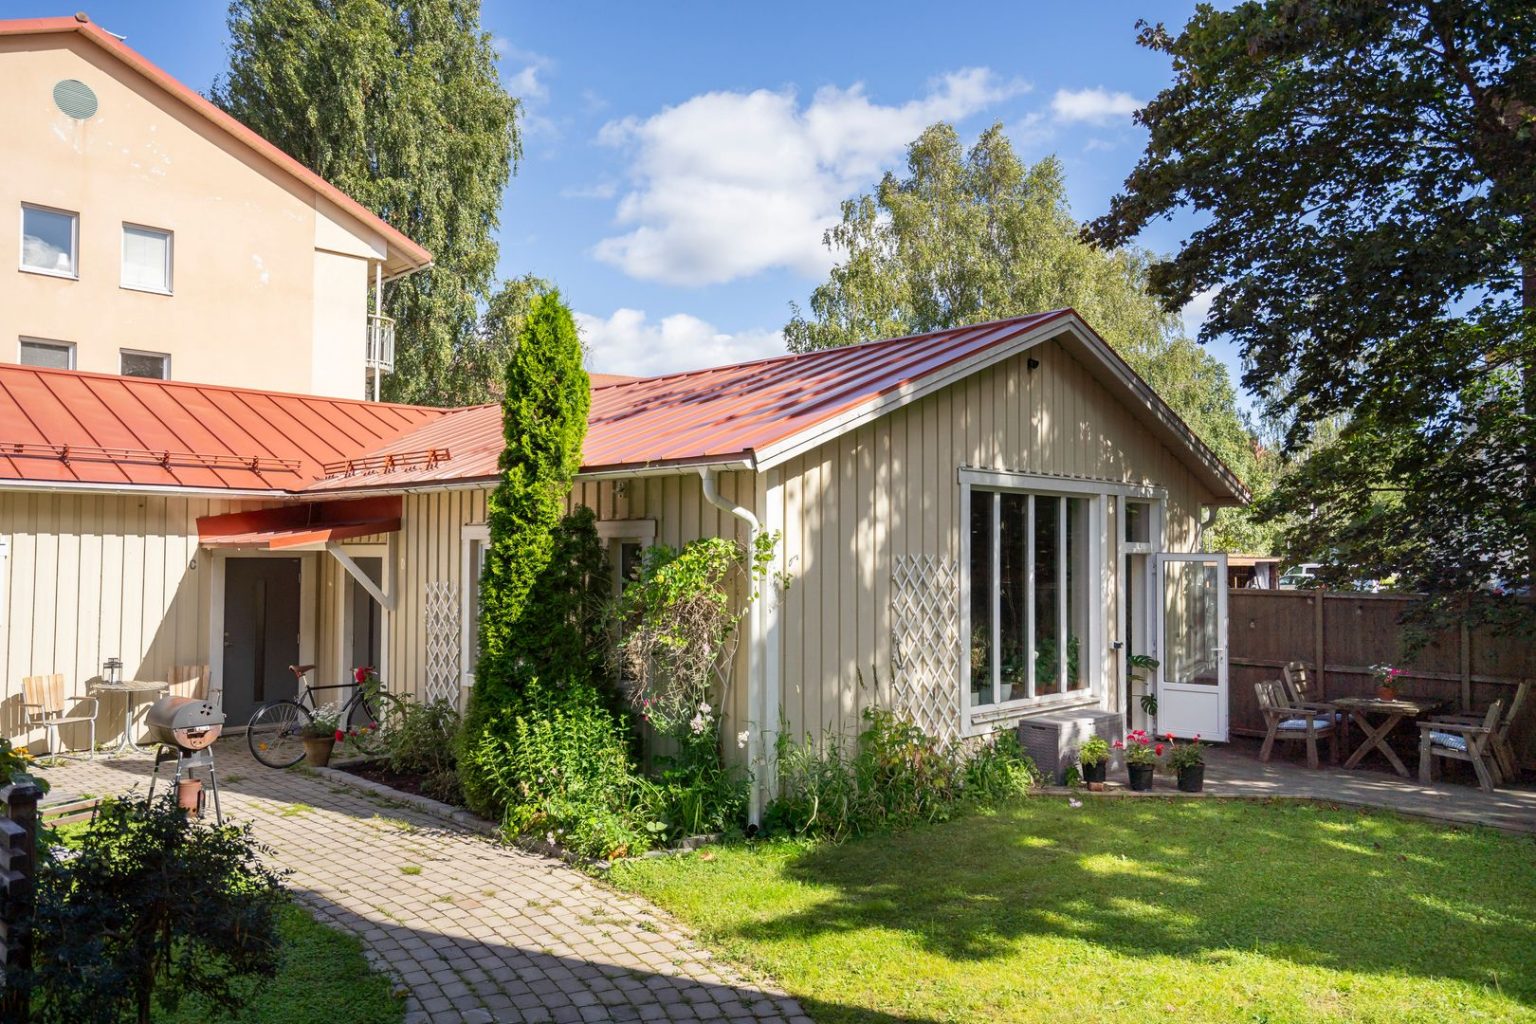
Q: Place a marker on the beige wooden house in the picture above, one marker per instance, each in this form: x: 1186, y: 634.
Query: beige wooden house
x: 979, y: 525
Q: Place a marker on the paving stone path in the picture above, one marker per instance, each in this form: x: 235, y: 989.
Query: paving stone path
x: 478, y: 932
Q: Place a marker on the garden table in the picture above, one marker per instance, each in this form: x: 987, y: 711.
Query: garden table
x: 129, y: 687
x: 1360, y: 709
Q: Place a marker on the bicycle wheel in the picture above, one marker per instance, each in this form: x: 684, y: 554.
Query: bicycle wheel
x: 364, y: 726
x: 274, y: 736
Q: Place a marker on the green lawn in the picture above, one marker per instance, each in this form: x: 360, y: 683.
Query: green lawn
x: 324, y: 977
x: 1125, y: 910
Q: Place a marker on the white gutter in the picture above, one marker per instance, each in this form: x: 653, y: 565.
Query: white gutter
x: 66, y: 487
x: 755, y: 636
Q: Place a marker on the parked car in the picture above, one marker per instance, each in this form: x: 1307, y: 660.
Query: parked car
x: 1300, y: 577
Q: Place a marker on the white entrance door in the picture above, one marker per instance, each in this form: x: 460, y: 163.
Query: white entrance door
x: 1192, y: 674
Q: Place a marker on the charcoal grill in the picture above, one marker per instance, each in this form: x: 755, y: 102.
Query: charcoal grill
x: 184, y: 728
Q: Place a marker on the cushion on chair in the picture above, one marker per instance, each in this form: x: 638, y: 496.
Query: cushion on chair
x: 1301, y: 723
x: 1448, y: 739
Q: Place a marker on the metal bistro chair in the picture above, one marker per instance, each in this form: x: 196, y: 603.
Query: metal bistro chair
x: 1459, y: 741
x: 1288, y: 719
x: 43, y: 701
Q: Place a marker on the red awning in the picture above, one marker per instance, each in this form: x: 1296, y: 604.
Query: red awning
x: 311, y: 524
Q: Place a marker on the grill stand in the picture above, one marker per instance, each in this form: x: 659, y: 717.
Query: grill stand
x: 188, y: 761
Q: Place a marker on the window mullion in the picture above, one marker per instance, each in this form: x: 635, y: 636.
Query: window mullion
x: 1029, y: 597
x: 997, y: 596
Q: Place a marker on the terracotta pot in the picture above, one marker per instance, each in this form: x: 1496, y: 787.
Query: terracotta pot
x: 1141, y: 776
x: 1095, y: 774
x: 1192, y: 778
x: 1386, y: 692
x: 317, y: 750
x: 189, y: 796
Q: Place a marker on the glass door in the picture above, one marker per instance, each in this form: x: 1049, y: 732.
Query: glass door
x: 1192, y: 674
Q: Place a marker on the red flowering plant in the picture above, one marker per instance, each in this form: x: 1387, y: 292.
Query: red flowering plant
x: 1185, y: 755
x: 1140, y: 748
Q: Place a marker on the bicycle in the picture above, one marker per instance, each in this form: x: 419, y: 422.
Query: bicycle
x: 275, y: 731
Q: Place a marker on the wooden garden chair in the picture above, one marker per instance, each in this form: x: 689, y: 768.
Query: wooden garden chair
x: 1460, y: 741
x: 1300, y: 687
x: 43, y: 704
x: 1503, y: 750
x: 1287, y: 719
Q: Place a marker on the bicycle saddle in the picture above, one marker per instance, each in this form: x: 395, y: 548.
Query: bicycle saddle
x: 300, y: 670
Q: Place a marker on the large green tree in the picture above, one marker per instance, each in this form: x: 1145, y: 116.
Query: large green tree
x: 398, y: 103
x: 1365, y: 172
x: 969, y: 236
x: 544, y: 415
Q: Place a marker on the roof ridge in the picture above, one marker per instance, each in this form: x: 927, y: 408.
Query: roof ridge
x: 837, y: 349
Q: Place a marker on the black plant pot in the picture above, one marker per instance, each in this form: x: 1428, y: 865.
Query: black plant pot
x: 1095, y: 774
x: 1141, y: 776
x: 1192, y: 778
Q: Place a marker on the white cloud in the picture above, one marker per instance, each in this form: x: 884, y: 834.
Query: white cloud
x: 728, y: 184
x: 627, y: 342
x: 1198, y: 308
x: 525, y: 85
x: 1096, y: 106
x: 598, y: 190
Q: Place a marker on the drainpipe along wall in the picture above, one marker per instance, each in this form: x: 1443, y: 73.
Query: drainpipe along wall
x: 755, y: 635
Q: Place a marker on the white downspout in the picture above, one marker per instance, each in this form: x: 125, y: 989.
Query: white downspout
x: 378, y: 310
x: 755, y: 634
x: 1200, y: 525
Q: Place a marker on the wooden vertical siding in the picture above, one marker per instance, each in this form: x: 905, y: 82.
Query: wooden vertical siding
x: 891, y: 488
x: 429, y: 548
x: 93, y: 576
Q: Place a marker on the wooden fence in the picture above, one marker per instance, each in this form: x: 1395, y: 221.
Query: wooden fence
x: 1341, y: 635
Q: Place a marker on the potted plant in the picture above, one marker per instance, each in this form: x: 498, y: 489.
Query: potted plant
x: 1386, y: 681
x: 1188, y: 762
x: 321, y: 733
x: 1093, y: 755
x: 1141, y: 754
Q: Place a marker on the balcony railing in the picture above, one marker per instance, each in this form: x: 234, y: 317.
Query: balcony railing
x: 381, y: 344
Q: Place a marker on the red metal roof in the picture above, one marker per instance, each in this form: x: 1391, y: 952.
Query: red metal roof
x: 70, y: 427
x: 721, y: 414
x: 412, y: 254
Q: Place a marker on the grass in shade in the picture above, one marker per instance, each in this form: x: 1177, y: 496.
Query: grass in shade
x: 1121, y: 910
x: 324, y: 977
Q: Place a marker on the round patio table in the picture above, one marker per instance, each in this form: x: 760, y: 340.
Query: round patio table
x: 129, y: 687
x: 1360, y: 710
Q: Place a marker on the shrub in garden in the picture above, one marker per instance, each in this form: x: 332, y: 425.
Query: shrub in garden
x: 152, y: 905
x: 423, y: 740
x: 558, y: 767
x: 679, y: 625
x: 894, y: 776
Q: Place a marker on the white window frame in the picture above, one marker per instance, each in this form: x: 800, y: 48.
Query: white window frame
x: 1094, y: 653
x: 143, y: 352
x: 170, y: 246
x: 469, y: 598
x: 74, y: 242
x: 22, y: 341
x: 615, y: 533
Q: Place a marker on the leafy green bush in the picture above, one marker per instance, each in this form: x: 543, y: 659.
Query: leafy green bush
x: 152, y: 905
x: 895, y: 776
x: 423, y: 740
x: 557, y: 766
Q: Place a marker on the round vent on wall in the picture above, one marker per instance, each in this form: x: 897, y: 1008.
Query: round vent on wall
x: 75, y: 98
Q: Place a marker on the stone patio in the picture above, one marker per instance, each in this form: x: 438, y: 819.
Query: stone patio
x: 477, y: 931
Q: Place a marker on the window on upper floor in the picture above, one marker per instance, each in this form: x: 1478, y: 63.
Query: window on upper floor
x: 49, y: 240
x: 145, y: 364
x: 60, y: 355
x: 146, y: 259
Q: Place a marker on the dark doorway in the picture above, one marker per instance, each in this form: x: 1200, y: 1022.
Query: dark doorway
x: 261, y: 632
x: 367, y: 618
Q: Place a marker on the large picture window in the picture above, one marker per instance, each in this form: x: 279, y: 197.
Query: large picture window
x: 1030, y: 593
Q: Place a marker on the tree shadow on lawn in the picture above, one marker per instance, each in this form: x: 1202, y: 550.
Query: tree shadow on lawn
x: 1310, y: 884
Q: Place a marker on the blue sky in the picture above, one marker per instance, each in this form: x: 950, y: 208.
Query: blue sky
x: 682, y: 159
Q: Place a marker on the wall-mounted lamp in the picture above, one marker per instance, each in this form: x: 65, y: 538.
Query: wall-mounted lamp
x: 1032, y: 363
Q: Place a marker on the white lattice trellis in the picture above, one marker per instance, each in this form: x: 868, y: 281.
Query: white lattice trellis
x: 925, y: 641
x: 443, y: 632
